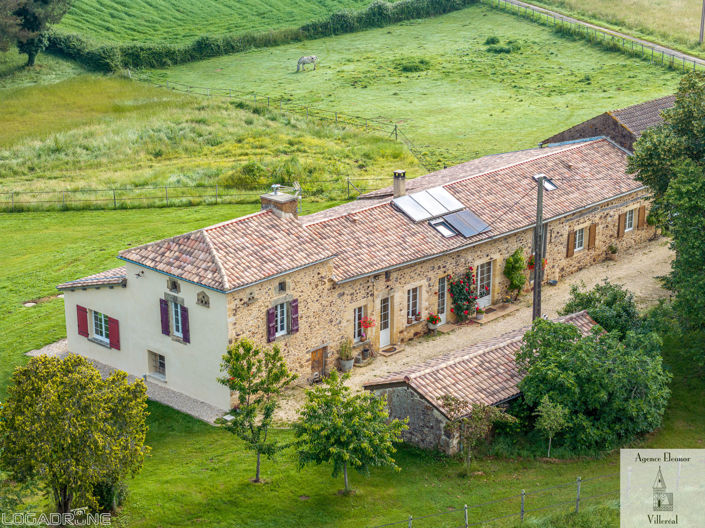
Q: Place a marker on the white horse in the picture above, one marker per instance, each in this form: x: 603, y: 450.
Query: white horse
x: 301, y: 65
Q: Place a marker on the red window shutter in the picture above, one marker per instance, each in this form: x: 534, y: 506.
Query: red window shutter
x: 185, y: 330
x: 164, y: 307
x: 82, y: 315
x: 271, y: 325
x: 114, y: 333
x: 294, y: 308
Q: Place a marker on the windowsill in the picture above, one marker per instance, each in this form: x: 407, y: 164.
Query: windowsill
x: 628, y: 230
x: 359, y: 344
x: 100, y: 342
x: 415, y: 322
x: 178, y: 339
x: 157, y: 377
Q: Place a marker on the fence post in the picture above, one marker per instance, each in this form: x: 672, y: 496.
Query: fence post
x: 577, y: 498
x: 114, y: 200
x: 466, y: 516
x: 166, y: 194
x: 216, y: 194
x: 255, y: 98
x: 167, y: 84
x: 336, y: 117
x: 307, y: 112
x: 411, y: 518
x: 63, y: 198
x: 12, y: 199
x: 396, y: 132
x: 230, y: 92
x: 267, y: 101
x: 348, y: 187
x: 521, y: 514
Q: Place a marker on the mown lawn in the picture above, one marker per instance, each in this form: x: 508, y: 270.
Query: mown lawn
x: 178, y: 21
x: 437, y: 79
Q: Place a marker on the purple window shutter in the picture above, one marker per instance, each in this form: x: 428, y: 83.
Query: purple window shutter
x: 271, y: 325
x: 294, y: 306
x: 185, y: 331
x: 164, y: 307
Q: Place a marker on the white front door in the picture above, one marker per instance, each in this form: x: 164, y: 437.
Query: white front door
x: 484, y: 284
x: 384, y: 326
x: 442, y: 297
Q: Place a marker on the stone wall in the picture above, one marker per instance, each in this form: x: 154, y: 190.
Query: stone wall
x: 326, y: 308
x: 602, y: 125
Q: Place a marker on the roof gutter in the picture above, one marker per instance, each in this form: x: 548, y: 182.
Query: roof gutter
x: 496, y: 237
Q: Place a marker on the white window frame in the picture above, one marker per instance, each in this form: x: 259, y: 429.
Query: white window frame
x: 579, y: 235
x: 629, y: 220
x: 358, y: 314
x: 177, y: 327
x: 281, y: 322
x: 101, y: 328
x: 157, y: 365
x: 413, y: 299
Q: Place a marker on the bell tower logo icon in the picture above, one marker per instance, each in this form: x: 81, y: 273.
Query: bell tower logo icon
x: 663, y: 501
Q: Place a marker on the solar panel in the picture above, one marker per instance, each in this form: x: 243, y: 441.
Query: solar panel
x: 446, y: 199
x: 466, y: 223
x: 411, y: 208
x: 429, y: 203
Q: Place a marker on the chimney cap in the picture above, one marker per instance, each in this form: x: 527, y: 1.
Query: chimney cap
x: 399, y: 173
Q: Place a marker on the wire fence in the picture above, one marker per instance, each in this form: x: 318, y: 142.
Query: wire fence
x: 613, y: 40
x: 569, y: 496
x: 168, y: 196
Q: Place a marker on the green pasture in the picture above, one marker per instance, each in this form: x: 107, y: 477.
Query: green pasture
x: 180, y: 21
x: 445, y: 88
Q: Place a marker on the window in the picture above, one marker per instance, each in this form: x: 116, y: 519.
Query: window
x: 357, y: 323
x: 629, y: 221
x: 101, y: 329
x: 173, y: 285
x: 412, y: 302
x: 178, y: 329
x: 157, y: 364
x: 281, y: 287
x: 579, y: 239
x: 202, y: 299
x: 280, y: 319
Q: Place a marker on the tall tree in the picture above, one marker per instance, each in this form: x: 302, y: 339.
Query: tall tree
x: 471, y: 422
x: 345, y: 429
x: 28, y: 22
x: 9, y: 23
x: 551, y: 418
x: 258, y: 376
x: 69, y: 429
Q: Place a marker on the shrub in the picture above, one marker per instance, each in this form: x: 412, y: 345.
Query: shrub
x: 499, y: 49
x: 491, y: 40
x: 410, y: 65
x: 463, y: 294
x: 610, y: 305
x: 514, y: 271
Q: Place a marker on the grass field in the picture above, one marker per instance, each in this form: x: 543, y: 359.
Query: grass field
x: 179, y: 21
x: 666, y: 21
x: 95, y: 131
x: 438, y: 80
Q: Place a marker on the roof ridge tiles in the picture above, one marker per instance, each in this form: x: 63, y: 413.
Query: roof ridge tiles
x: 216, y: 260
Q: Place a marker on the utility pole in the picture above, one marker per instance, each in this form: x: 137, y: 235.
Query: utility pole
x: 538, y: 249
x: 702, y: 23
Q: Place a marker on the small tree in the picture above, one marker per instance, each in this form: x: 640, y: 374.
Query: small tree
x: 258, y: 376
x: 345, y: 429
x: 69, y: 429
x: 551, y: 419
x: 29, y: 22
x: 514, y: 271
x: 471, y: 422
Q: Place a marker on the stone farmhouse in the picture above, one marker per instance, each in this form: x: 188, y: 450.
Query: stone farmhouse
x: 623, y: 126
x: 482, y: 373
x: 305, y: 283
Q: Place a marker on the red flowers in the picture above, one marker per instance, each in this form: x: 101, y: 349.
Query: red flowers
x: 451, y: 310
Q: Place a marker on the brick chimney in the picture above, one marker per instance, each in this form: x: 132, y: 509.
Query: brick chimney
x: 282, y: 204
x: 399, y: 183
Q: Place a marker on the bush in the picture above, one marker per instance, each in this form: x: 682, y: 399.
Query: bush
x: 410, y: 65
x: 610, y: 305
x: 514, y: 271
x: 499, y: 49
x: 110, y: 495
x: 491, y: 40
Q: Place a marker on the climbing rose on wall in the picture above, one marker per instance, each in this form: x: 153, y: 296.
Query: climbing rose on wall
x: 462, y: 294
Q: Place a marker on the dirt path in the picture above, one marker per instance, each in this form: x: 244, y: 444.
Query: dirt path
x: 636, y: 269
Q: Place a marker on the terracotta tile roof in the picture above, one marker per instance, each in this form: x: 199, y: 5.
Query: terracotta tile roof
x: 464, y: 170
x: 640, y: 117
x: 111, y: 276
x: 379, y: 237
x: 482, y: 373
x: 235, y: 253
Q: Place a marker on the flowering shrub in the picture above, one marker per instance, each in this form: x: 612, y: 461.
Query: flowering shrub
x: 366, y: 323
x: 433, y: 318
x: 463, y: 294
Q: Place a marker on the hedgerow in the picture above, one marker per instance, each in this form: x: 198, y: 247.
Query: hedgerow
x: 114, y: 57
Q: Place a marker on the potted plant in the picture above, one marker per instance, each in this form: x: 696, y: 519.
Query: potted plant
x: 479, y: 313
x: 409, y: 320
x: 418, y: 316
x: 532, y: 263
x: 612, y: 252
x: 345, y: 353
x: 433, y: 320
